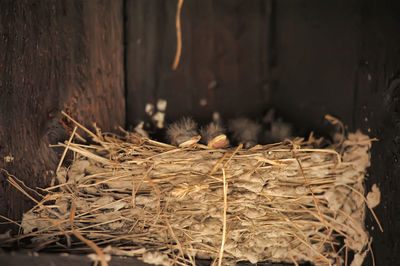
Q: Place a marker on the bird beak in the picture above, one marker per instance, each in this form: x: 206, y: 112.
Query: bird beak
x: 218, y: 142
x: 190, y: 142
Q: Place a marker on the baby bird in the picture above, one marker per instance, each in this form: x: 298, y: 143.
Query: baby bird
x: 245, y: 131
x: 276, y: 130
x: 214, y: 136
x: 183, y: 133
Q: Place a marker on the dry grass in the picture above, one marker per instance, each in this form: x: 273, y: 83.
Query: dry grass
x: 284, y: 202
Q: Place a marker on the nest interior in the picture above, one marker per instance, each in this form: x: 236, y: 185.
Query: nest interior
x: 293, y: 201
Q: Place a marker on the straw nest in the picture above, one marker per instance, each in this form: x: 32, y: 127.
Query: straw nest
x: 129, y: 195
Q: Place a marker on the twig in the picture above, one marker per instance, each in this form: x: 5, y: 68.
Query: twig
x: 233, y: 154
x: 177, y: 242
x: 366, y: 203
x: 221, y: 251
x: 83, y: 239
x: 9, y: 220
x: 372, y: 253
x: 94, y: 136
x: 178, y: 35
x: 293, y: 260
x: 66, y: 149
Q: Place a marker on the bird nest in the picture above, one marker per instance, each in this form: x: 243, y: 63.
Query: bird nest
x: 293, y: 201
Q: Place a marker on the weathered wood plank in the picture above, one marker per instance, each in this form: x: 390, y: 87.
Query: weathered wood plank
x: 317, y: 54
x: 55, y: 55
x: 221, y: 63
x: 376, y: 112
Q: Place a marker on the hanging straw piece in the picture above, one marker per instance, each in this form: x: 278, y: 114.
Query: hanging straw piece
x: 286, y: 202
x: 178, y: 35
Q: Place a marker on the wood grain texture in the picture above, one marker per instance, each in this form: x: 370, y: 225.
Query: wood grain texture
x: 317, y: 54
x: 56, y: 55
x: 221, y: 62
x: 376, y: 111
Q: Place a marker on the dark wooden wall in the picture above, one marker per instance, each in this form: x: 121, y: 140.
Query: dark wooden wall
x: 377, y: 112
x: 54, y: 55
x: 222, y: 59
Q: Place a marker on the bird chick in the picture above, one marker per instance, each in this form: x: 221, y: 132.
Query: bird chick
x: 279, y: 131
x: 183, y: 133
x: 214, y: 136
x: 245, y: 131
x: 275, y: 129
